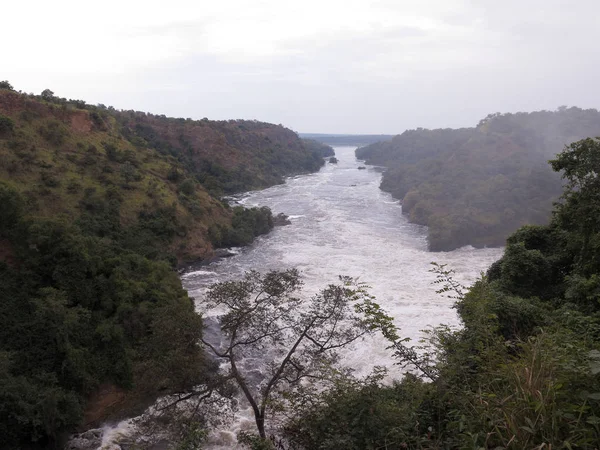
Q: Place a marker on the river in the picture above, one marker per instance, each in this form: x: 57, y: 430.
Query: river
x: 343, y: 224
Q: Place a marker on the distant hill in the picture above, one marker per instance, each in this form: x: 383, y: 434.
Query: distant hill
x: 477, y: 185
x: 347, y: 139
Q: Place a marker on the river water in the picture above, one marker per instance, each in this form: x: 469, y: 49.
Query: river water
x: 343, y: 224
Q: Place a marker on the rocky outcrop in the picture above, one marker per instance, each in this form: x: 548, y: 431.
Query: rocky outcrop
x: 281, y: 220
x: 89, y: 440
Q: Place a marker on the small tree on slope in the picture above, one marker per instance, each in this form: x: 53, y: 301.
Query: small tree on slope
x: 302, y: 338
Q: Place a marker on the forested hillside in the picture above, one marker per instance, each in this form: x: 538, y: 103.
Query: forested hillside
x: 162, y: 176
x: 477, y: 185
x: 523, y: 372
x: 318, y: 148
x: 97, y: 207
x: 225, y: 156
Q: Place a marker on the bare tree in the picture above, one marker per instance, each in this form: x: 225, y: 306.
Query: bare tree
x: 263, y: 314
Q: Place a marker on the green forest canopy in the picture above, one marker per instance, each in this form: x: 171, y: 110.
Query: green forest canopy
x: 477, y: 185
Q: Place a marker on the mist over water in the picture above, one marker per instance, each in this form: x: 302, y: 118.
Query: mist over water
x: 343, y: 224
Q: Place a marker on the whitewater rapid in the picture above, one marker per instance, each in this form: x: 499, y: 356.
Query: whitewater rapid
x: 343, y: 224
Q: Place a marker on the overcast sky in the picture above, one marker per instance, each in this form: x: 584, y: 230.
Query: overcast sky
x: 313, y: 65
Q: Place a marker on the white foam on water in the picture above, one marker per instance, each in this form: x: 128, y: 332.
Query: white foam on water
x: 357, y: 231
x: 112, y: 433
x: 350, y: 227
x: 197, y: 273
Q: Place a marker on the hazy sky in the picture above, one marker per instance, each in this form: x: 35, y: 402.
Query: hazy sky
x: 313, y: 65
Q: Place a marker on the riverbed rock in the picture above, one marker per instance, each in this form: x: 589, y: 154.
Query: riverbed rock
x: 361, y: 168
x: 333, y: 160
x: 281, y: 220
x: 223, y: 253
x: 89, y: 440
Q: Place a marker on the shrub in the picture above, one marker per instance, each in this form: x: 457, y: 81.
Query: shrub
x: 54, y: 132
x: 7, y: 125
x: 112, y: 153
x: 49, y: 179
x: 174, y: 174
x: 187, y: 187
x: 73, y: 187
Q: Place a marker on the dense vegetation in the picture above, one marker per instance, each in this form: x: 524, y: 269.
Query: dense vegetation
x: 224, y: 156
x: 78, y: 311
x: 161, y: 177
x: 97, y: 207
x: 318, y: 148
x: 523, y: 372
x: 477, y: 185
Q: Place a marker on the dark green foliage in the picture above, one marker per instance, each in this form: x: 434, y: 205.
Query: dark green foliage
x: 561, y: 259
x: 47, y: 95
x: 187, y: 187
x: 579, y: 212
x: 54, y: 132
x: 28, y: 116
x: 161, y: 222
x: 477, y: 185
x: 49, y: 179
x: 112, y: 153
x: 174, y: 174
x: 7, y: 126
x: 100, y: 216
x: 321, y: 150
x: 364, y: 415
x: 129, y: 174
x: 79, y: 310
x: 12, y: 209
x: 260, y: 154
x: 80, y: 104
x: 246, y: 225
x: 98, y: 120
x: 6, y: 85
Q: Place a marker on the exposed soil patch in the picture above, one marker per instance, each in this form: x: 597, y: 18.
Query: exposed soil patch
x: 80, y: 122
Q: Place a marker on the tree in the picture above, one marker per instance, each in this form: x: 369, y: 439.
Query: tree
x: 11, y: 207
x: 187, y: 187
x: 47, y: 94
x: 7, y: 125
x: 577, y: 218
x: 128, y: 173
x: 6, y: 85
x: 263, y: 314
x: 580, y: 162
